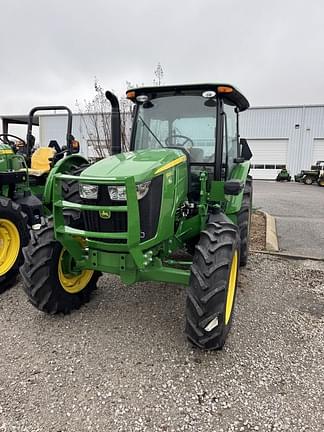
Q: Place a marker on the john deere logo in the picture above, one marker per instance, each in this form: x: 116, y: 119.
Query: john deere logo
x: 105, y: 214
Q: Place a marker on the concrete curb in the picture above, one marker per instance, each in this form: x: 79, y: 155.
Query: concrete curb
x: 287, y: 255
x: 272, y: 247
x: 271, y: 233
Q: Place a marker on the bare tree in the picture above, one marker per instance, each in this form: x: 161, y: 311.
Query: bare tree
x: 96, y: 117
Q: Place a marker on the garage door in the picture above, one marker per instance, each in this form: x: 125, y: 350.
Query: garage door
x: 269, y: 157
x: 318, y: 150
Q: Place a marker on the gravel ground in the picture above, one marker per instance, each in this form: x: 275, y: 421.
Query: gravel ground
x: 121, y: 363
x: 258, y: 231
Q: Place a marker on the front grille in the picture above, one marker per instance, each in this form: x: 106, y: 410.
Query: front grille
x: 117, y: 223
x: 149, y: 209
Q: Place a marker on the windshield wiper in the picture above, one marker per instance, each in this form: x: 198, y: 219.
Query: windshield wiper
x: 151, y: 132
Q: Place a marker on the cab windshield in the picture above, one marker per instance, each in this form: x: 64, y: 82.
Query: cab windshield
x: 187, y: 121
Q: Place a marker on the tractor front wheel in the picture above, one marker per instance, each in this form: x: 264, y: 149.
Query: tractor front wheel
x: 49, y: 282
x: 14, y: 235
x: 212, y: 287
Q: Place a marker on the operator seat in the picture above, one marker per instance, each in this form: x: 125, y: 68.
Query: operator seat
x: 40, y: 163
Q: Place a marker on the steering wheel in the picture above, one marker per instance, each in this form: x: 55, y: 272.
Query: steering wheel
x: 183, y: 137
x: 5, y: 140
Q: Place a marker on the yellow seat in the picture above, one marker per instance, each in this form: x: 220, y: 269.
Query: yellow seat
x: 40, y: 163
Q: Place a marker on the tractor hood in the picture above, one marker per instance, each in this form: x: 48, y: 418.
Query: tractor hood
x: 142, y: 164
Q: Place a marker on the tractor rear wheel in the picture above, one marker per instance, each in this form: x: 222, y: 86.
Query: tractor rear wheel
x: 47, y: 279
x: 308, y: 180
x: 321, y: 182
x: 212, y: 286
x: 244, y: 221
x: 14, y: 235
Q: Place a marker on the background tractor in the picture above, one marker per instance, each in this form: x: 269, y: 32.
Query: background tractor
x: 184, y: 184
x: 314, y: 175
x: 25, y: 185
x: 283, y: 175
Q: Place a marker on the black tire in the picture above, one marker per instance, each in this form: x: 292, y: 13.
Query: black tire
x: 208, y: 286
x: 308, y: 180
x: 244, y: 221
x: 71, y: 187
x: 40, y: 273
x: 12, y: 212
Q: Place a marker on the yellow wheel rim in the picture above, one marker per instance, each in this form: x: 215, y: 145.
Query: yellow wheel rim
x: 72, y: 283
x: 9, y: 245
x: 231, y: 288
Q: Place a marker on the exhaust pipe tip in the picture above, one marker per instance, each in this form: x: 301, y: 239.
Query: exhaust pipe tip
x: 112, y: 99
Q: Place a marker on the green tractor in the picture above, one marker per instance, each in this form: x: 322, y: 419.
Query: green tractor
x: 25, y: 188
x: 314, y: 175
x: 283, y: 175
x: 184, y: 187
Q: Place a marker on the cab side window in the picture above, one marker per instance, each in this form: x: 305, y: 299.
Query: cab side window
x: 230, y: 147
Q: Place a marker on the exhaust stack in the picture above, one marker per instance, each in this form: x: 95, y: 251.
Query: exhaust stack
x: 115, y: 123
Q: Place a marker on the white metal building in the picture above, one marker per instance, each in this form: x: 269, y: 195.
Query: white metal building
x: 291, y: 136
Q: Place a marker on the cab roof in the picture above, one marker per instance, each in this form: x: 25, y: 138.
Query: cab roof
x: 227, y: 91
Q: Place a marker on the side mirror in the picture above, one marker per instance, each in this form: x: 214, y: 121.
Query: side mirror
x: 233, y: 187
x: 245, y: 149
x: 75, y: 146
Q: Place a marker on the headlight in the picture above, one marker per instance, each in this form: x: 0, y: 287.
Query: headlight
x: 142, y: 189
x: 88, y: 191
x: 118, y: 193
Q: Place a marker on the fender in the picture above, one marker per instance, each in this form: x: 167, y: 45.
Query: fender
x: 234, y: 202
x: 63, y: 165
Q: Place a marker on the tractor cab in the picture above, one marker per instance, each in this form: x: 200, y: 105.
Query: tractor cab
x: 200, y: 120
x: 319, y: 166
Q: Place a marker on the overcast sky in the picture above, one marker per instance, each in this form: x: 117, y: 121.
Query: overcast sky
x: 51, y: 50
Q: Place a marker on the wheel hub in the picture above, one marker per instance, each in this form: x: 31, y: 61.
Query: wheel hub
x: 72, y: 281
x: 9, y: 245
